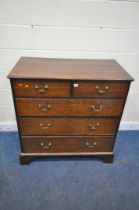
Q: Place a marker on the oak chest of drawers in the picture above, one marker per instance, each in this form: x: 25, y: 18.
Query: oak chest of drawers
x: 68, y: 107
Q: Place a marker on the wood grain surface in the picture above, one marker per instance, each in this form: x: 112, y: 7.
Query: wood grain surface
x: 67, y: 126
x: 64, y: 144
x: 69, y: 107
x: 100, y: 89
x: 41, y: 88
x: 69, y: 69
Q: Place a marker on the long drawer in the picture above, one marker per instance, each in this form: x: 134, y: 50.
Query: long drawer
x: 67, y: 126
x: 64, y: 144
x: 69, y: 107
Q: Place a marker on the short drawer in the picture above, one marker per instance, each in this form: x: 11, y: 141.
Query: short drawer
x: 100, y: 89
x: 69, y: 107
x: 64, y: 144
x: 67, y: 126
x: 40, y: 88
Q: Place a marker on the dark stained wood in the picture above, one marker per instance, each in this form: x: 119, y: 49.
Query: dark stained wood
x: 108, y: 158
x: 69, y: 69
x: 60, y: 144
x: 41, y: 88
x: 69, y: 107
x: 99, y: 89
x: 68, y: 126
x: 17, y: 119
x: 26, y: 158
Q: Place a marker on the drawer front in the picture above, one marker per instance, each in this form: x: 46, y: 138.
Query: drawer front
x: 67, y: 126
x: 69, y: 107
x: 40, y: 88
x: 100, y: 89
x: 63, y: 144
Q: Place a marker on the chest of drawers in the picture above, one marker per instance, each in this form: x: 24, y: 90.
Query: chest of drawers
x: 68, y: 107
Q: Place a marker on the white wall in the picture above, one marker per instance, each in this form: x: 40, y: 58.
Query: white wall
x: 69, y: 29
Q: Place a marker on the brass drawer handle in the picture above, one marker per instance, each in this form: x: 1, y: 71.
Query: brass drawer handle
x: 106, y: 88
x: 39, y: 90
x: 97, y: 109
x: 46, y: 145
x: 93, y: 127
x: 45, y: 127
x: 44, y: 108
x: 91, y: 145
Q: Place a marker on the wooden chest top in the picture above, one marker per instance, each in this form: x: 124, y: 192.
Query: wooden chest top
x: 69, y: 69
